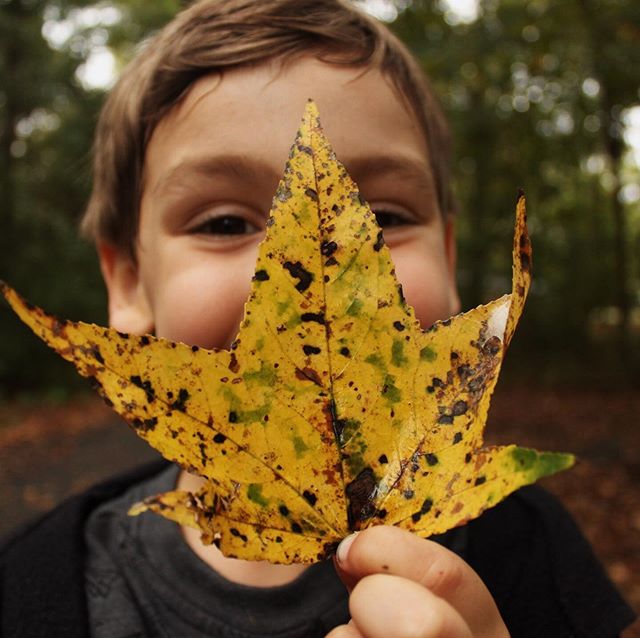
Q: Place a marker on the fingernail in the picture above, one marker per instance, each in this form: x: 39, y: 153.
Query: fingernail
x: 343, y: 549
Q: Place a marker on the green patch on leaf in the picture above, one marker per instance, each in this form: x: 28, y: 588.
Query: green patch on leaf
x: 377, y: 361
x: 355, y: 308
x: 390, y: 391
x: 266, y: 375
x: 299, y: 446
x: 398, y: 357
x: 254, y: 493
x: 539, y: 464
x: 428, y: 354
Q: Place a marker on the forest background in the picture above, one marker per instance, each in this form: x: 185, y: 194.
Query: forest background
x: 542, y: 95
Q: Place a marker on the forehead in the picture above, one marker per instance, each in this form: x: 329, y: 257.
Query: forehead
x: 255, y: 112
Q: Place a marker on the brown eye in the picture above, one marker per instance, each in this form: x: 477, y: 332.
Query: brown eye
x: 387, y: 219
x: 227, y: 225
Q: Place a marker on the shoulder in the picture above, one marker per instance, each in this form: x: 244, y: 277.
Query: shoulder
x: 542, y: 571
x: 42, y: 564
x: 71, y: 514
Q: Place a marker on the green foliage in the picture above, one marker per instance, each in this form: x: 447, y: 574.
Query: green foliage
x: 536, y: 92
x: 46, y: 128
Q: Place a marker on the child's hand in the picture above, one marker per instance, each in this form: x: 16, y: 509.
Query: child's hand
x: 403, y: 586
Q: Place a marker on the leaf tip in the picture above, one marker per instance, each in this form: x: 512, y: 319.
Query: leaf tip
x: 19, y: 305
x: 311, y: 109
x: 538, y: 464
x: 5, y: 289
x: 311, y: 116
x: 137, y: 508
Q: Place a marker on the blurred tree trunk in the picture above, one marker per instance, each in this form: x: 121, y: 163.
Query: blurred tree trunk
x: 10, y: 50
x: 600, y: 35
x: 483, y: 142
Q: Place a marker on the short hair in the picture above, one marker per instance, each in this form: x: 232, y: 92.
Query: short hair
x: 212, y: 36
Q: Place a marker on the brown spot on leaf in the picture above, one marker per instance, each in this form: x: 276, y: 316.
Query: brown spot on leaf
x: 308, y: 374
x: 379, y: 243
x: 459, y: 408
x: 284, y: 510
x: 327, y: 248
x: 310, y: 497
x: 424, y: 509
x: 318, y: 317
x: 297, y: 271
x: 311, y: 194
x: 431, y: 459
x: 144, y: 425
x: 97, y: 355
x: 59, y: 328
x: 359, y: 493
x: 144, y: 385
x: 237, y: 534
x: 179, y: 403
x: 492, y: 346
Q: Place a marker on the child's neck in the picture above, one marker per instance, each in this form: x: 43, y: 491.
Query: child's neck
x: 254, y: 573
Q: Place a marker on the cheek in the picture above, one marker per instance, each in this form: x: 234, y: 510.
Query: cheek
x: 426, y: 284
x: 203, y: 305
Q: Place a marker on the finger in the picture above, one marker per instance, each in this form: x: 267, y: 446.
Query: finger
x: 390, y: 550
x: 345, y: 631
x: 342, y: 563
x: 383, y: 606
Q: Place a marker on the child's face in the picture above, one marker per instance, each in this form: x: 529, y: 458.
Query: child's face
x: 211, y: 170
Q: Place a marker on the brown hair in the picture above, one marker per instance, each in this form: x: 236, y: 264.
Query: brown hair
x: 211, y: 36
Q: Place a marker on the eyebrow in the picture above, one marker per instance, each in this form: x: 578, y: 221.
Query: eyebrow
x: 232, y: 166
x: 405, y: 167
x: 252, y: 170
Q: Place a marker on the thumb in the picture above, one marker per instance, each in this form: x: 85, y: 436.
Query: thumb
x: 341, y: 562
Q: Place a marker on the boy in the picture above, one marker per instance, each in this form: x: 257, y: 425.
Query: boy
x: 189, y: 150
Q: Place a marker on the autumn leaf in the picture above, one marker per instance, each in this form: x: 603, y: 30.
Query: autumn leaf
x: 333, y: 410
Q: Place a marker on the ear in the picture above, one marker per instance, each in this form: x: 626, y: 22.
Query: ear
x: 129, y: 309
x: 450, y: 248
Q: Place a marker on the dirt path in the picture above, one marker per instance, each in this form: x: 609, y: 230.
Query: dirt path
x: 50, y: 452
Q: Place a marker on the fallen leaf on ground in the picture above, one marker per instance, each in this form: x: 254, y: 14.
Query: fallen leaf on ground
x: 333, y: 410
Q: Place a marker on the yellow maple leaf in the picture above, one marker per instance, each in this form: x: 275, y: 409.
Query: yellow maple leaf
x: 333, y: 410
